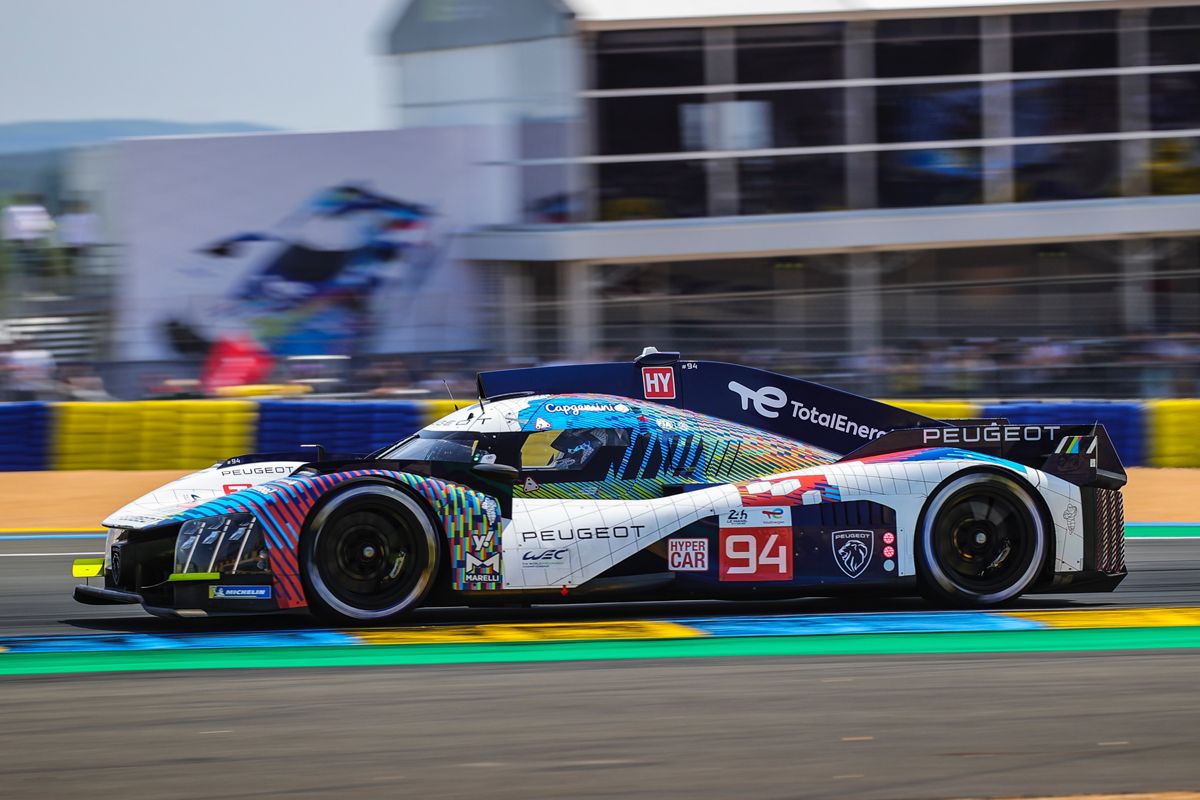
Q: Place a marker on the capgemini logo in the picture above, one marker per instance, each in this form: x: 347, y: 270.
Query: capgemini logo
x: 766, y: 400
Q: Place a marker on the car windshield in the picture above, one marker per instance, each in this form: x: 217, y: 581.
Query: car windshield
x: 437, y: 446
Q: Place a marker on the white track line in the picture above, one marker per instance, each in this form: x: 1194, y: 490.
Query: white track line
x: 45, y: 555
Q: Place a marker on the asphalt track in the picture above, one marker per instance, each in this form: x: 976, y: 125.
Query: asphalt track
x: 1103, y: 711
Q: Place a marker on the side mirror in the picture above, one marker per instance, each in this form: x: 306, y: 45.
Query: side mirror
x: 501, y: 471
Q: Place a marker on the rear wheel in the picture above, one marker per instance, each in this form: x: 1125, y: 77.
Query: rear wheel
x: 981, y: 542
x: 370, y: 555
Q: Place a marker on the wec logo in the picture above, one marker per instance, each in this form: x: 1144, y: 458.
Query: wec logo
x: 545, y: 555
x: 545, y: 559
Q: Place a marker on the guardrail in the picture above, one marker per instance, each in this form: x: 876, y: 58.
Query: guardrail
x: 187, y: 434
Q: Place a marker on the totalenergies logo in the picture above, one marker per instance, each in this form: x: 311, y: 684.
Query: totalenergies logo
x: 769, y: 401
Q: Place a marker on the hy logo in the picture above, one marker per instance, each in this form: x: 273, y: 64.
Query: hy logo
x: 766, y: 401
x: 852, y: 551
x: 658, y: 383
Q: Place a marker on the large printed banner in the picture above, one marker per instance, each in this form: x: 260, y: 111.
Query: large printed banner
x: 298, y: 244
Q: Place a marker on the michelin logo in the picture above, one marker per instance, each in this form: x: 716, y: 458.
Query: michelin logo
x: 769, y: 401
x: 239, y: 593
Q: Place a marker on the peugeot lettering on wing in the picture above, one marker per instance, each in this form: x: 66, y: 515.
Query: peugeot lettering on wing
x: 771, y: 401
x: 991, y: 434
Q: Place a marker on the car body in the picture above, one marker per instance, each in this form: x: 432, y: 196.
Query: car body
x: 658, y: 479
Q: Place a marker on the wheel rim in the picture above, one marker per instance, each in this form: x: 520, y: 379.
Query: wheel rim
x: 985, y: 538
x: 366, y: 560
x: 372, y: 560
x: 982, y: 540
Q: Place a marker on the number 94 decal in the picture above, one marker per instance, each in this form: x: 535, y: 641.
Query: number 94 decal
x: 756, y: 554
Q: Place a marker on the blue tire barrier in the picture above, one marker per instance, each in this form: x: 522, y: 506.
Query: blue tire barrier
x: 1124, y: 421
x: 24, y: 437
x: 340, y: 426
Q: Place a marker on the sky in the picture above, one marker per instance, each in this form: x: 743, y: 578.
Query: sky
x: 293, y: 64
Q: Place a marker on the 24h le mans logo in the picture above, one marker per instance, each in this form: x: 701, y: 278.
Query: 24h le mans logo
x: 852, y: 550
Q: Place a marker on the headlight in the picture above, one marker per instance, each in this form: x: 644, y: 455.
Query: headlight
x: 115, y: 535
x: 229, y: 545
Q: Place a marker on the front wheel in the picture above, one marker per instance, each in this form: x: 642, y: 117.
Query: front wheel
x: 370, y: 555
x: 981, y: 542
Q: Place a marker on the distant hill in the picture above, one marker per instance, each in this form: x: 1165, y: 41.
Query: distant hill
x: 32, y: 137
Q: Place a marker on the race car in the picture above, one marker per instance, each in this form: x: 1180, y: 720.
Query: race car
x: 663, y: 478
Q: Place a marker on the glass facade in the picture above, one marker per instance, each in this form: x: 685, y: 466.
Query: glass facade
x: 895, y: 113
x: 1094, y: 318
x: 775, y: 53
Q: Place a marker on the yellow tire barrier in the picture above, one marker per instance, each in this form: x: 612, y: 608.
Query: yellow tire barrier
x: 939, y: 409
x: 1174, y: 433
x: 143, y: 435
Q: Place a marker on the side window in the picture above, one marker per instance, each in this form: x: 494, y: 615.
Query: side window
x: 479, y: 448
x: 568, y: 450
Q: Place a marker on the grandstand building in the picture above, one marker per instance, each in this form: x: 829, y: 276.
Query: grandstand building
x: 826, y: 183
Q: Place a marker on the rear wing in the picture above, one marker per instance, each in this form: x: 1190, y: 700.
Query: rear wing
x: 827, y: 418
x: 1080, y: 454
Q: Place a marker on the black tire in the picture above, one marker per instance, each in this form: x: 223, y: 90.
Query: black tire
x: 370, y: 555
x: 981, y: 542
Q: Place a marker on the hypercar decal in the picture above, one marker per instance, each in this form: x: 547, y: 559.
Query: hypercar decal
x: 469, y: 519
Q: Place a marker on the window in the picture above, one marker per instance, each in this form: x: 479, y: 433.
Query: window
x: 1062, y: 106
x: 464, y: 448
x: 1067, y: 170
x: 779, y: 53
x: 909, y: 47
x: 659, y: 124
x: 928, y: 112
x: 1175, y: 35
x: 568, y: 450
x: 943, y: 177
x: 652, y: 190
x: 1175, y: 100
x: 808, y: 118
x: 1175, y: 166
x: 1084, y: 40
x: 635, y: 59
x: 791, y: 184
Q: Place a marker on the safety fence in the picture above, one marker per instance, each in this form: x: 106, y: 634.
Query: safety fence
x: 186, y: 434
